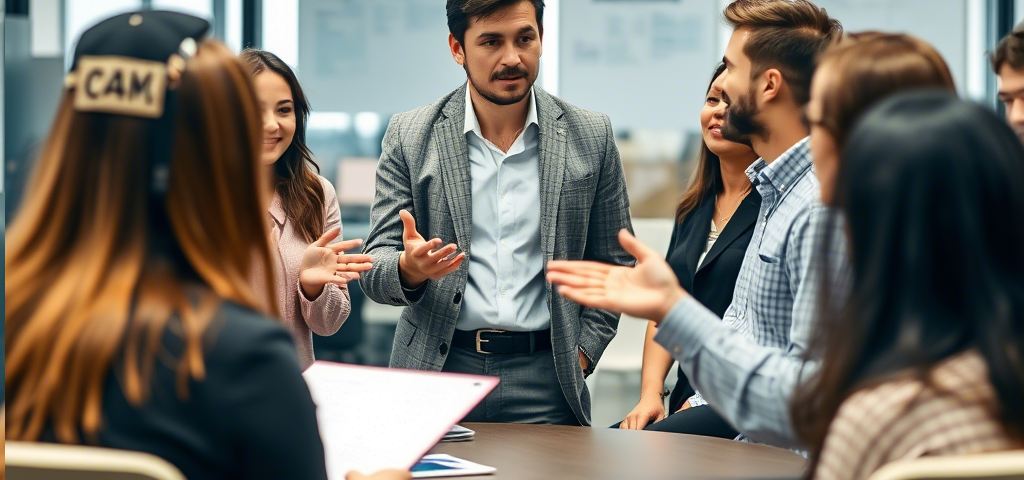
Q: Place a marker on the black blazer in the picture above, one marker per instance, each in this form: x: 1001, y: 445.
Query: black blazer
x: 252, y: 417
x: 713, y: 281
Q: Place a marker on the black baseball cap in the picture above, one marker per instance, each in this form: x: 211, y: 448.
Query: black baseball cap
x: 145, y: 35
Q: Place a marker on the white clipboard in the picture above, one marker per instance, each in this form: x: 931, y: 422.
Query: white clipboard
x: 377, y: 418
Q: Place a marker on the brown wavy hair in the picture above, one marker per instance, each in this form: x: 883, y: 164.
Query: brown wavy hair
x: 302, y: 194
x: 868, y: 66
x: 91, y: 284
x: 787, y: 35
x: 707, y: 175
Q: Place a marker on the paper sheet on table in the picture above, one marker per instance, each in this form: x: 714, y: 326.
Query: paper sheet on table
x: 442, y: 465
x: 375, y: 418
x: 458, y: 433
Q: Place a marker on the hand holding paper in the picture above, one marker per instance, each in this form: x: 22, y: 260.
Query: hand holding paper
x: 367, y: 422
x: 381, y: 475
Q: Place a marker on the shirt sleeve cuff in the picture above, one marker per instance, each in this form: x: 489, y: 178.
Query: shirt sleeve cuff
x: 590, y: 362
x: 413, y: 295
x: 302, y: 293
x: 686, y: 327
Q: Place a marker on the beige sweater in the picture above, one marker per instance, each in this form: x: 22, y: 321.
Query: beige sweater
x: 905, y: 419
x: 303, y: 317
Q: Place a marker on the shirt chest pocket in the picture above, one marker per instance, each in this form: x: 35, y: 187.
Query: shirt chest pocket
x: 770, y: 282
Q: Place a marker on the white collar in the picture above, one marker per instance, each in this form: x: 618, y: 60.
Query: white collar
x: 472, y: 124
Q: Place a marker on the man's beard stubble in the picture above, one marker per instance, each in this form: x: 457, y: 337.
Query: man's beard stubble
x: 506, y: 73
x: 740, y: 122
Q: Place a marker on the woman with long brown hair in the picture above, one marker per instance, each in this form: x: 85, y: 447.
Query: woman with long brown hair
x: 714, y: 223
x: 923, y: 356
x: 131, y: 320
x: 312, y: 273
x: 862, y: 69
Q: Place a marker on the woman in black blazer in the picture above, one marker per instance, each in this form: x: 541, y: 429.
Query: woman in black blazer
x: 714, y: 223
x: 132, y: 320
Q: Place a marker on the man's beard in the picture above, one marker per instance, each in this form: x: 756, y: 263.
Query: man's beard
x: 504, y: 98
x: 740, y: 122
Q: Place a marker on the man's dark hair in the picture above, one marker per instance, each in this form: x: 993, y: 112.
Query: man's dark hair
x: 787, y: 35
x: 1010, y: 50
x: 460, y: 11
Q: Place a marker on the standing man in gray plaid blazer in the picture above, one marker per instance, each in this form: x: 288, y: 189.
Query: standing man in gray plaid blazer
x: 475, y: 194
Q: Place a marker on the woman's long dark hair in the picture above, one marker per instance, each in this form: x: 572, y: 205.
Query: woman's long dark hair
x: 930, y: 188
x: 707, y: 176
x: 302, y: 194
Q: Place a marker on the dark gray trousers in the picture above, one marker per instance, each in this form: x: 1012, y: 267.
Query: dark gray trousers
x: 528, y: 392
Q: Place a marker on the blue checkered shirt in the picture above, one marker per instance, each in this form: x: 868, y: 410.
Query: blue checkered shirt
x: 747, y: 364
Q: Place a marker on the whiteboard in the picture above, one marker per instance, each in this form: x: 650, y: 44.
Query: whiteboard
x: 385, y: 56
x: 645, y: 63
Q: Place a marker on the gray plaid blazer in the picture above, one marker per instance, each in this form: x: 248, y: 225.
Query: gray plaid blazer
x: 424, y: 168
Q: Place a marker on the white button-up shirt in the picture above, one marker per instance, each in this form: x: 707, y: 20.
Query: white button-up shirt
x: 506, y: 288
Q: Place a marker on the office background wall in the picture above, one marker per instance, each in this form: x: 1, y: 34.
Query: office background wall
x: 643, y: 62
x: 360, y: 56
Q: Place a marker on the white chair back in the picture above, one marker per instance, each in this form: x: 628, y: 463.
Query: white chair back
x: 47, y: 461
x: 625, y: 352
x: 988, y: 466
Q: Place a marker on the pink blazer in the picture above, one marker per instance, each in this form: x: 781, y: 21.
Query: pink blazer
x: 324, y: 314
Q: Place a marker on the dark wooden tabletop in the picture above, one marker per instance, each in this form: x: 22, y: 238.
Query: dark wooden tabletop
x: 525, y: 452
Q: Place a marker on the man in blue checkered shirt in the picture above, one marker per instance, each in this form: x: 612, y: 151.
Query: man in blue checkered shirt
x: 746, y: 365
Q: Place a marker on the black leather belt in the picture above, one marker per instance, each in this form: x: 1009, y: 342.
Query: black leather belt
x: 500, y: 341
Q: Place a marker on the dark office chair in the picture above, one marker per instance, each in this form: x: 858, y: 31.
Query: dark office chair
x: 344, y: 345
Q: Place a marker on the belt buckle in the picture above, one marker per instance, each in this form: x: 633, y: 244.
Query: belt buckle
x: 481, y: 340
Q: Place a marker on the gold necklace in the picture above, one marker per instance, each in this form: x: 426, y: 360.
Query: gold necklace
x: 725, y: 219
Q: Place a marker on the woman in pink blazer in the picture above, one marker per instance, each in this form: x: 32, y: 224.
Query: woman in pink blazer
x: 311, y: 273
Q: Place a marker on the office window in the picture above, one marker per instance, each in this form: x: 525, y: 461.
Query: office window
x: 232, y: 34
x: 45, y: 17
x: 199, y: 8
x: 233, y: 24
x: 956, y: 28
x: 281, y: 30
x: 79, y: 15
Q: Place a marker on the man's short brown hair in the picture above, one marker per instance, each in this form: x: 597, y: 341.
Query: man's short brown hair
x: 787, y: 35
x: 1010, y: 50
x: 461, y: 11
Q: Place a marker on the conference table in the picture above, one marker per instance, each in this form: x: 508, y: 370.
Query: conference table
x: 525, y: 452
